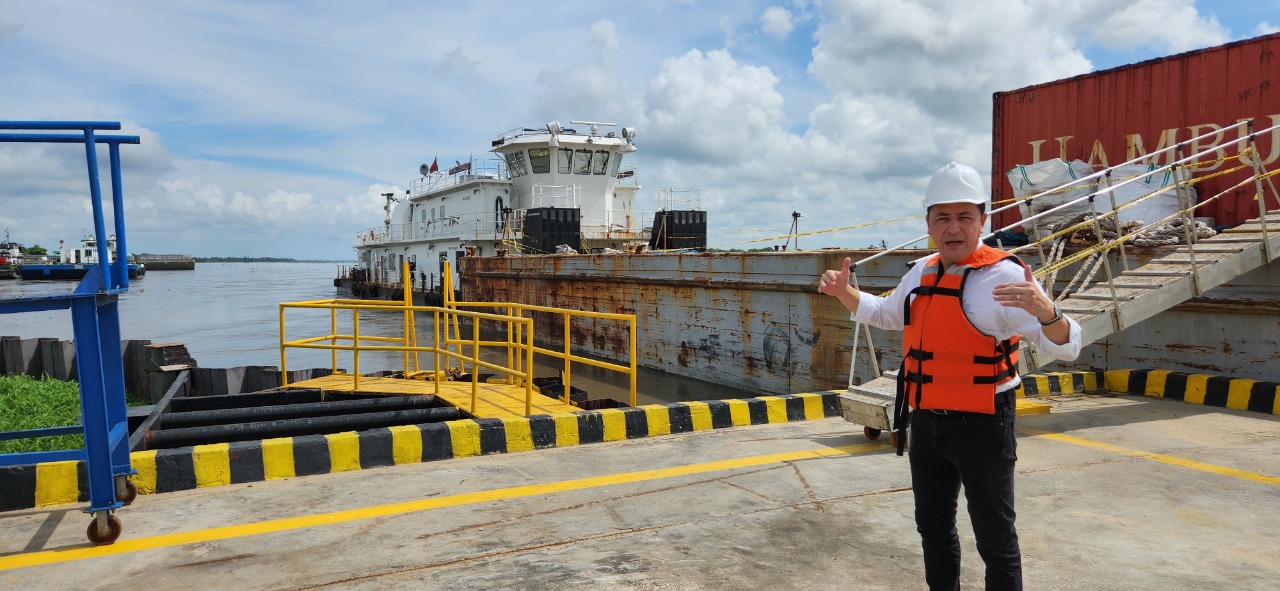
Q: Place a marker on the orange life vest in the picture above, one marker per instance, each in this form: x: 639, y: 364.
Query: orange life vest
x: 947, y: 363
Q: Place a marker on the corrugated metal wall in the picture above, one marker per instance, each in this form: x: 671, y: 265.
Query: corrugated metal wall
x: 1108, y: 117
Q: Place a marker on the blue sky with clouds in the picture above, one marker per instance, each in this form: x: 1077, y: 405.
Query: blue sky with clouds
x: 270, y: 128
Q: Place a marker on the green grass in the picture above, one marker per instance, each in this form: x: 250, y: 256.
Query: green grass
x: 28, y: 403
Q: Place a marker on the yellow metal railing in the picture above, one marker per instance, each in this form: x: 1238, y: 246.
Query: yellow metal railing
x: 518, y: 311
x: 449, y: 346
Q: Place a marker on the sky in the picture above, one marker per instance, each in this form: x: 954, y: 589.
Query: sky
x: 272, y: 128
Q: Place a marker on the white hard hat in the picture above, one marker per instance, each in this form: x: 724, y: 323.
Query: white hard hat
x: 955, y: 183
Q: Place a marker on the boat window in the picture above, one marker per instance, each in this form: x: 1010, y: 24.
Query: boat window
x: 617, y: 163
x: 512, y: 170
x: 441, y: 211
x: 433, y: 213
x: 520, y: 164
x: 540, y: 160
x: 602, y: 162
x: 564, y: 160
x: 582, y: 162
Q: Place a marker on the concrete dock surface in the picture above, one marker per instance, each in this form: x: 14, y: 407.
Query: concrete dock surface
x: 1114, y: 492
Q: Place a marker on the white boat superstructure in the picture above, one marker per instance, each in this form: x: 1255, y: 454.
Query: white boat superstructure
x: 545, y: 191
x: 86, y: 253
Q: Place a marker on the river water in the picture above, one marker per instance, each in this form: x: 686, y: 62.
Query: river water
x: 228, y: 315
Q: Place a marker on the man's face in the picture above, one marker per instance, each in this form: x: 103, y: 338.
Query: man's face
x: 955, y: 228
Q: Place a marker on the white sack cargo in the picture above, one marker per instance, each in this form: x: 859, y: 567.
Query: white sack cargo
x: 1158, y: 188
x: 1031, y: 179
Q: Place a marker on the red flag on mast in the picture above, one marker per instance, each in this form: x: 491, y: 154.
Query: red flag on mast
x: 434, y: 166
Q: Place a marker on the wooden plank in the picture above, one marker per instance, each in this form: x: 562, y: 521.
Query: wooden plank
x: 1242, y: 238
x: 1207, y: 248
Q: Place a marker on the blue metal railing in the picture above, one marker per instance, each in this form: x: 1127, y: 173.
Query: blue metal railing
x: 95, y: 317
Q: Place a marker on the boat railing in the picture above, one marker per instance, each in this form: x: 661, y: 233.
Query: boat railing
x: 448, y: 345
x: 1104, y: 221
x: 629, y: 176
x: 620, y: 220
x: 566, y: 318
x: 472, y: 170
x: 678, y: 199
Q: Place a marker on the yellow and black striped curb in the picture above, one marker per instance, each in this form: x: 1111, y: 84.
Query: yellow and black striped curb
x: 56, y: 483
x: 1223, y: 392
x: 1070, y: 382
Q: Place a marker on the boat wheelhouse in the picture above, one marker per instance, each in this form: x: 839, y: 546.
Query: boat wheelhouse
x: 545, y: 191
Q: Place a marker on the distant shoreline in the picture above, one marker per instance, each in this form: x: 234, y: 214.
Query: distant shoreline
x: 259, y: 260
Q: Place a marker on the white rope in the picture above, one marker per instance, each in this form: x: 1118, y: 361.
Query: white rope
x: 1170, y: 233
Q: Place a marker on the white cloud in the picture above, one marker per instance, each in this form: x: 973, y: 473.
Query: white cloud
x: 1266, y: 28
x: 592, y: 74
x: 271, y: 129
x: 776, y: 21
x: 710, y: 107
x: 1174, y: 24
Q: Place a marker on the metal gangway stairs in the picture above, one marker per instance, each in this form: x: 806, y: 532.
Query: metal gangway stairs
x: 95, y: 319
x: 1126, y: 295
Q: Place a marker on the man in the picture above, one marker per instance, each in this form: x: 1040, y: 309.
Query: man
x: 961, y: 312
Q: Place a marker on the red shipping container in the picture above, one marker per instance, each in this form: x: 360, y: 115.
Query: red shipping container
x: 1108, y: 117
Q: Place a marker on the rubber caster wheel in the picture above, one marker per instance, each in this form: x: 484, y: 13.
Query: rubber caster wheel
x: 130, y: 493
x: 871, y: 433
x: 114, y: 527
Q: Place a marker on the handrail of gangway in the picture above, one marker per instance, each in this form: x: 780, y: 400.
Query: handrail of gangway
x: 1173, y: 165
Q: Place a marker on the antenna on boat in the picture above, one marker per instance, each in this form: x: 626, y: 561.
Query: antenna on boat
x: 794, y: 232
x: 391, y: 198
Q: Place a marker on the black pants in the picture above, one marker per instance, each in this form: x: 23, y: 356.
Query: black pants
x: 977, y: 451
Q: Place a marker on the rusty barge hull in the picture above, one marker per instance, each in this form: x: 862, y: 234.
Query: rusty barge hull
x: 756, y: 321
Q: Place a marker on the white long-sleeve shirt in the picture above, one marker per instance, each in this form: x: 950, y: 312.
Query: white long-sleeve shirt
x: 984, y: 312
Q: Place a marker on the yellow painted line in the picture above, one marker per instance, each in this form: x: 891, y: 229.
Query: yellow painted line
x: 344, y: 451
x: 519, y: 434
x: 658, y: 418
x: 337, y: 517
x: 739, y: 413
x: 566, y: 429
x: 700, y: 416
x: 277, y: 458
x: 1155, y: 457
x: 57, y: 483
x: 145, y: 463
x: 465, y: 436
x: 212, y: 464
x: 406, y: 444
